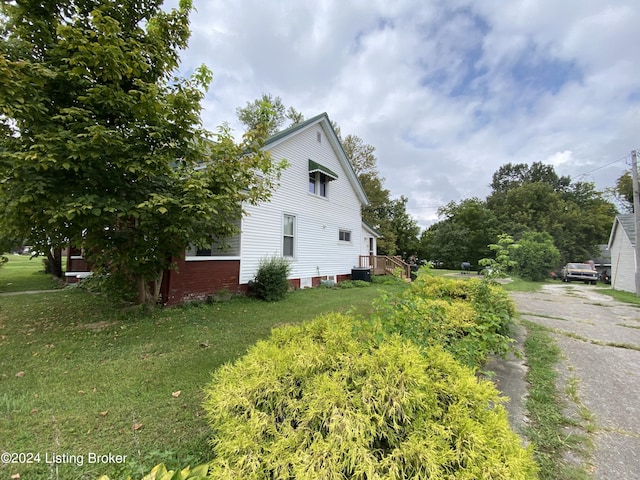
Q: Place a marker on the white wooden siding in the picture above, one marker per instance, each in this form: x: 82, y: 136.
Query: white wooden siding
x: 318, y: 251
x: 622, y: 262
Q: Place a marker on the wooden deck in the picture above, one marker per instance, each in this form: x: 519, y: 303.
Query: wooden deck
x: 386, y: 265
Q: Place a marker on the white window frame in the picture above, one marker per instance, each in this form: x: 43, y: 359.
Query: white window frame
x: 293, y: 236
x: 318, y: 183
x: 343, y: 234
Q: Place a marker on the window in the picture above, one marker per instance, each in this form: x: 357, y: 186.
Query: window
x: 312, y: 182
x: 229, y: 247
x: 344, y: 235
x: 319, y: 178
x: 319, y: 137
x: 318, y: 183
x: 226, y: 247
x: 288, y: 235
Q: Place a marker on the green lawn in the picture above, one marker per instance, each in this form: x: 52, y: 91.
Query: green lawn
x: 619, y: 295
x: 24, y: 273
x: 78, y: 375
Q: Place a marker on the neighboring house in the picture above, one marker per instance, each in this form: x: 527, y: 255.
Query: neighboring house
x: 313, y: 219
x: 622, y: 247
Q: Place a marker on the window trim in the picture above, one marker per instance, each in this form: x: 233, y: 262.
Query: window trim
x: 293, y: 236
x: 343, y: 232
x: 320, y: 185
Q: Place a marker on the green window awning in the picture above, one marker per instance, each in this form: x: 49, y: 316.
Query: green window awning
x: 316, y: 167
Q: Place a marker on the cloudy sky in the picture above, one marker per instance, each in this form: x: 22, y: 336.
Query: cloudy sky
x: 446, y: 90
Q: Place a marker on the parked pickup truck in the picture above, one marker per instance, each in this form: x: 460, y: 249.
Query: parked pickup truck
x: 579, y: 271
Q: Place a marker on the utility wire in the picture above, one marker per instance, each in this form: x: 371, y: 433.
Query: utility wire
x: 626, y: 157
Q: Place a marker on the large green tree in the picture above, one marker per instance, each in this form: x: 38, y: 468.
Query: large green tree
x: 465, y: 232
x: 623, y: 191
x: 253, y: 114
x: 534, y: 198
x: 102, y: 146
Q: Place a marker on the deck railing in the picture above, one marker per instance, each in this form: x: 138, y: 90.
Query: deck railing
x: 385, y: 265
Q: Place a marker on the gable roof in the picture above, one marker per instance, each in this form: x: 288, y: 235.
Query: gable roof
x: 625, y: 223
x: 334, y: 141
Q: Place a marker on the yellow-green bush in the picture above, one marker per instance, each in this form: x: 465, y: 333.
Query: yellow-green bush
x: 325, y: 400
x: 469, y: 318
x: 160, y: 472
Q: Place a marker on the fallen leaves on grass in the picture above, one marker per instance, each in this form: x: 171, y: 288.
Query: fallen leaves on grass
x: 176, y: 394
x: 20, y: 374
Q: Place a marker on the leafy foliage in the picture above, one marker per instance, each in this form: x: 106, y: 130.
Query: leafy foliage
x: 353, y: 284
x: 325, y: 400
x: 524, y: 198
x: 254, y: 114
x: 103, y: 149
x: 536, y: 256
x: 160, y: 472
x: 534, y: 198
x: 623, y: 191
x: 503, y: 262
x: 271, y: 282
x: 469, y: 318
x: 468, y: 227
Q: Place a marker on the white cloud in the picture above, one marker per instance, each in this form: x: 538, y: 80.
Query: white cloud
x: 447, y: 91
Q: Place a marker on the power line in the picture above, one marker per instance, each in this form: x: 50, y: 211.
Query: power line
x: 626, y: 157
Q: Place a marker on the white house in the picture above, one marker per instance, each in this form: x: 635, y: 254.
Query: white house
x: 313, y: 219
x: 622, y: 246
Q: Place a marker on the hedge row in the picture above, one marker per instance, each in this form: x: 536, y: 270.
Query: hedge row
x: 326, y: 399
x: 469, y: 318
x: 389, y: 397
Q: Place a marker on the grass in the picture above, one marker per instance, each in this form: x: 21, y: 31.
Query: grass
x: 521, y: 285
x: 619, y: 295
x: 516, y: 285
x: 547, y: 430
x: 23, y: 273
x: 78, y: 375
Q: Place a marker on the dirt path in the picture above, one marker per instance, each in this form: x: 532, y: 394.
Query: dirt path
x: 600, y: 342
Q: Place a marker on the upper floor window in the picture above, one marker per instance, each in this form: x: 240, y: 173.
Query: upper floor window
x: 319, y: 178
x: 318, y: 183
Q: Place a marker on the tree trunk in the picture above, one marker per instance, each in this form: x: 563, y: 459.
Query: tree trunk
x: 54, y: 262
x: 142, y: 290
x: 145, y: 294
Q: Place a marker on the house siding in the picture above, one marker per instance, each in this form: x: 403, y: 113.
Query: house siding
x: 623, y: 266
x: 317, y: 249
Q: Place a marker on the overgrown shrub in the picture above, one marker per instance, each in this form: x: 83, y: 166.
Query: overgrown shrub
x: 271, y: 282
x: 537, y: 256
x: 325, y: 400
x: 386, y: 280
x: 353, y: 284
x: 469, y: 318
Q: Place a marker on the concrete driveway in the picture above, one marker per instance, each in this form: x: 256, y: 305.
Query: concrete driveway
x: 600, y: 343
